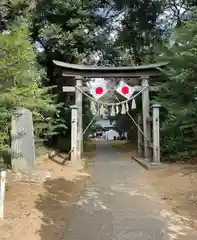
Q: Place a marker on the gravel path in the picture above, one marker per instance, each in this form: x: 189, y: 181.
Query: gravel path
x: 119, y: 203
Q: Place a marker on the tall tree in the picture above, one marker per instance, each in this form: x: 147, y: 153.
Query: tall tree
x: 178, y: 95
x: 69, y: 31
x: 139, y: 33
x: 19, y: 80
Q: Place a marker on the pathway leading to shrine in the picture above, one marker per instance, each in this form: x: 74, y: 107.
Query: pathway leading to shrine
x: 119, y: 203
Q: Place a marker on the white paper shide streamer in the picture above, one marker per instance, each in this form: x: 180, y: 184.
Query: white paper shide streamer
x: 2, y: 193
x: 133, y: 105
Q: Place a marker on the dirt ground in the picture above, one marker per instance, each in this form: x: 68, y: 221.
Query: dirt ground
x: 177, y: 185
x: 41, y: 211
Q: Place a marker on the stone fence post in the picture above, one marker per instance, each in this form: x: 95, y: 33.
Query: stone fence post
x: 156, y: 133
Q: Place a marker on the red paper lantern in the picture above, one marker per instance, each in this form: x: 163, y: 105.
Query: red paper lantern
x: 125, y: 90
x: 99, y: 90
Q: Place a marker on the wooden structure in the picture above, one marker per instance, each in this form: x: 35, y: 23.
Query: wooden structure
x: 143, y: 74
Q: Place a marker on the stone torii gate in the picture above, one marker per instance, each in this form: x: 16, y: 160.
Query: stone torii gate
x: 142, y: 75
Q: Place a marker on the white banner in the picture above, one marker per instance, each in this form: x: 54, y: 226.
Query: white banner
x: 99, y: 91
x: 98, y: 88
x: 125, y: 90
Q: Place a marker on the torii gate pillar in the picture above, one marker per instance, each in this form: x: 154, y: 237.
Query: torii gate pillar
x: 79, y: 104
x: 74, y: 124
x: 77, y: 126
x: 145, y: 117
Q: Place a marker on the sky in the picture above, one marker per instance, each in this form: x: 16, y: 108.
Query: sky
x: 39, y: 47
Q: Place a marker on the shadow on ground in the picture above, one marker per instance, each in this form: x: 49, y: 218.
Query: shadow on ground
x: 55, y: 205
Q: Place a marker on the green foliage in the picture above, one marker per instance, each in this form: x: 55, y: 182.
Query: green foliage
x: 65, y: 28
x: 139, y: 33
x: 19, y: 78
x: 178, y: 96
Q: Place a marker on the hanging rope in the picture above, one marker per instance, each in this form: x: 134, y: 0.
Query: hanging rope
x: 114, y: 110
x: 72, y: 149
x: 111, y: 104
x: 135, y: 123
x: 89, y: 125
